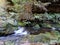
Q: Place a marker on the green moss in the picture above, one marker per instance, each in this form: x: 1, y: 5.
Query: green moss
x: 21, y: 23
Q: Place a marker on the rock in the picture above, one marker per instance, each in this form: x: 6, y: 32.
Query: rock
x: 52, y: 42
x: 2, y: 29
x: 51, y: 8
x: 36, y: 27
x: 53, y: 1
x: 3, y: 23
x: 7, y: 25
x: 12, y: 21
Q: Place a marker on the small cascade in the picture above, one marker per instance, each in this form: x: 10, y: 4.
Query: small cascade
x: 20, y: 31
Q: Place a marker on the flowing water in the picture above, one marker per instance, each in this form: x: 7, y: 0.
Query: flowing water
x: 20, y: 31
x: 16, y: 37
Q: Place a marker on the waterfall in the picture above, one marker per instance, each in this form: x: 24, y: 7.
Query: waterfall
x: 20, y: 31
x: 53, y: 28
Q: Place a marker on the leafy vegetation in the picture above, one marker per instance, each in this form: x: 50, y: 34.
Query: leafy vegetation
x: 45, y: 37
x: 19, y: 14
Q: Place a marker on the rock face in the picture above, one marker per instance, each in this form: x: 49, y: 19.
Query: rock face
x: 54, y: 7
x: 49, y: 1
x: 7, y: 26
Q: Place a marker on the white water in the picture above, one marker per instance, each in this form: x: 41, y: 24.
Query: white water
x: 53, y: 28
x: 20, y: 31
